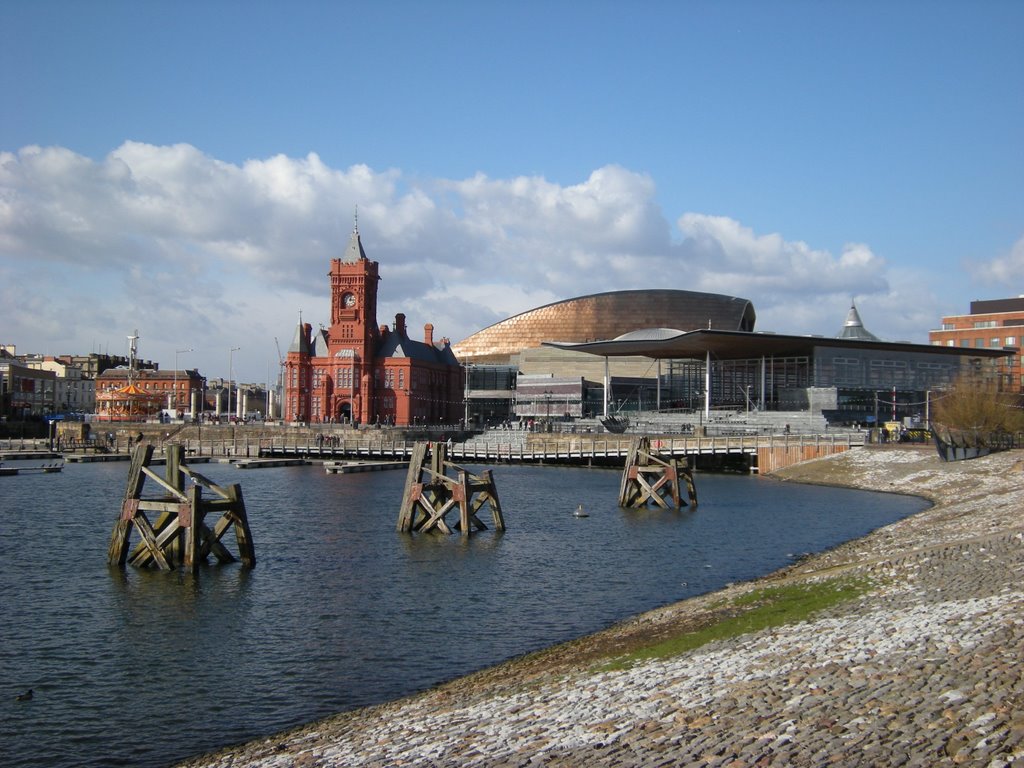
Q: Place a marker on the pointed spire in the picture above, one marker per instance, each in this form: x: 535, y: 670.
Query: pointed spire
x: 300, y: 343
x: 354, y: 252
x: 854, y: 328
x: 853, y: 317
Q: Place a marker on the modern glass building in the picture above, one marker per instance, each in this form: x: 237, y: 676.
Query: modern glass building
x: 700, y: 351
x: 851, y: 380
x: 490, y: 394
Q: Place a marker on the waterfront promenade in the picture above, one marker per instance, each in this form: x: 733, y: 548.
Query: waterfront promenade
x: 756, y: 452
x: 922, y: 668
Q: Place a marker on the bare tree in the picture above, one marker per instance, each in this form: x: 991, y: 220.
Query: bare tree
x: 976, y: 405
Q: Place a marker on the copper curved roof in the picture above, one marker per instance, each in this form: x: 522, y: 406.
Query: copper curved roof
x: 601, y: 316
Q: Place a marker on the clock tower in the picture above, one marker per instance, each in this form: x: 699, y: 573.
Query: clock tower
x: 353, y: 334
x: 354, y: 299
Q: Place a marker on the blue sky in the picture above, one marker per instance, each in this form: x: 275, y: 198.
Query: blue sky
x: 189, y: 168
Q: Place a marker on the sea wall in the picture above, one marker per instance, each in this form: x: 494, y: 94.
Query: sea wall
x: 922, y: 668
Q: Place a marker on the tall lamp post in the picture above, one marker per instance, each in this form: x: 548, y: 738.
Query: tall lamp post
x: 231, y: 355
x: 465, y: 396
x: 176, y: 353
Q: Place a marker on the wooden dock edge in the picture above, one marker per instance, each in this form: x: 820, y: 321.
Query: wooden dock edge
x: 781, y: 456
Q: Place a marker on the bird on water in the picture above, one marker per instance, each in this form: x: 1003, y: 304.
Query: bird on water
x: 26, y: 696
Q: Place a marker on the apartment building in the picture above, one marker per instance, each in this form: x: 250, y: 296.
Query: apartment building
x: 990, y: 324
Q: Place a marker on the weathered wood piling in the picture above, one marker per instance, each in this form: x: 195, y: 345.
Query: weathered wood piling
x: 180, y: 535
x: 430, y: 494
x: 648, y: 477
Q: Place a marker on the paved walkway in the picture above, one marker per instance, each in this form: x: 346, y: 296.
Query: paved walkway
x: 923, y: 670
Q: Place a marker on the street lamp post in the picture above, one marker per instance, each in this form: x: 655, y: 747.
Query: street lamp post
x: 230, y: 377
x: 465, y: 396
x: 175, y: 390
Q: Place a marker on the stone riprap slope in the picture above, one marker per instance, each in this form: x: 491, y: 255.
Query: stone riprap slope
x: 922, y: 669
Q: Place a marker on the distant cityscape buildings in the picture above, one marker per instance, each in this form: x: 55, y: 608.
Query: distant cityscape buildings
x: 653, y: 350
x: 88, y: 386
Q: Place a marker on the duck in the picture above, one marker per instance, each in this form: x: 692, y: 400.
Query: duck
x: 579, y: 512
x: 26, y: 696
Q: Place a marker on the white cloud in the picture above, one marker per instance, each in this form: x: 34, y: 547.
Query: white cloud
x: 1007, y: 268
x: 728, y: 256
x: 196, y: 252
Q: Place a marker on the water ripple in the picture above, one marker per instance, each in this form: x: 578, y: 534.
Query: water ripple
x: 142, y: 668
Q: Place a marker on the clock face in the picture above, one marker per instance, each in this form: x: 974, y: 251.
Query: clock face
x: 349, y: 300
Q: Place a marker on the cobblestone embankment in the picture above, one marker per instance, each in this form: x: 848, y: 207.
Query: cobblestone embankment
x: 924, y: 669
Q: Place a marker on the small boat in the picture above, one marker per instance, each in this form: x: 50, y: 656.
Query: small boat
x: 580, y: 512
x: 616, y: 424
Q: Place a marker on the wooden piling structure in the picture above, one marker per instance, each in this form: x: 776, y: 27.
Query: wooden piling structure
x: 430, y: 494
x: 180, y: 535
x: 648, y: 477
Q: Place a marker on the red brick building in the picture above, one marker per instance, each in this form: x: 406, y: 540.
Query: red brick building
x: 126, y: 395
x: 992, y: 324
x: 356, y: 371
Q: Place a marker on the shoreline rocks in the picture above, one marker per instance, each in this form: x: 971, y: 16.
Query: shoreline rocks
x: 924, y: 669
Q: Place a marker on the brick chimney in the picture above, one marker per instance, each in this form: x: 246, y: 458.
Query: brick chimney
x: 400, y: 324
x: 428, y: 334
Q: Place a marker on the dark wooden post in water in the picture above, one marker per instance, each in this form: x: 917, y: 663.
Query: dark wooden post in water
x: 648, y: 477
x: 179, y: 535
x: 430, y: 494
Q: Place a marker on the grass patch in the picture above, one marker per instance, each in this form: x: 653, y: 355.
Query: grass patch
x: 754, y: 611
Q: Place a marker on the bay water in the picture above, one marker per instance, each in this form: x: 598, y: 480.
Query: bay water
x: 143, y: 668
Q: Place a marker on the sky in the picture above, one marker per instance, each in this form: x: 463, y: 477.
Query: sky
x: 188, y: 169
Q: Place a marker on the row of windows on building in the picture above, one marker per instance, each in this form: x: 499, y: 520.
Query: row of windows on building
x: 346, y: 379
x: 977, y: 324
x: 993, y: 341
x: 420, y: 408
x: 150, y: 385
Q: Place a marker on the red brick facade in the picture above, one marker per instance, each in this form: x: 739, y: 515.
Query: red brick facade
x: 156, y: 391
x: 356, y: 371
x: 992, y: 324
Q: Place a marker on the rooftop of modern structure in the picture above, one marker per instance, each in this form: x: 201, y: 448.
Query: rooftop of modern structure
x: 997, y: 306
x: 607, y: 315
x: 854, y: 328
x: 743, y: 345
